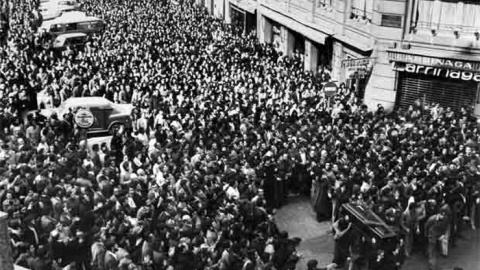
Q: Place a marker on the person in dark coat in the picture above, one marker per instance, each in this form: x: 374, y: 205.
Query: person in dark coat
x: 269, y: 183
x: 321, y: 202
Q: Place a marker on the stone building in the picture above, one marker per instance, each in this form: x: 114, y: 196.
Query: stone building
x: 394, y: 52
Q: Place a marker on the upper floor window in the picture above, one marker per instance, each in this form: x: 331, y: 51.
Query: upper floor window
x: 447, y: 15
x: 324, y: 3
x: 362, y: 10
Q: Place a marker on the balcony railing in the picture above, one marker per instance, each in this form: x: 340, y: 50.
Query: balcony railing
x: 442, y: 27
x: 361, y: 14
x: 446, y: 15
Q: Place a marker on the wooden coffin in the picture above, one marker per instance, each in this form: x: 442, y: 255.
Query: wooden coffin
x: 368, y: 222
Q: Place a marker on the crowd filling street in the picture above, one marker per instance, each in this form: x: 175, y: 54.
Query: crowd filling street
x: 223, y: 130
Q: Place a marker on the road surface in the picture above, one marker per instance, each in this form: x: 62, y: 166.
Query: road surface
x: 298, y: 218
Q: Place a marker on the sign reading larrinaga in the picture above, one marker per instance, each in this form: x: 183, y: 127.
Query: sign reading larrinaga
x: 437, y: 71
x: 453, y: 69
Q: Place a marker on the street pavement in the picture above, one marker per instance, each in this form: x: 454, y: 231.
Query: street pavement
x: 298, y: 219
x: 466, y: 255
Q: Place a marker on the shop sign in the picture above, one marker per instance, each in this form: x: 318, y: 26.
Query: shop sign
x: 358, y: 68
x: 437, y: 71
x: 434, y: 61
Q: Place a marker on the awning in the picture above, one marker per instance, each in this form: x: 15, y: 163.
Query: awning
x: 246, y: 5
x: 354, y: 43
x: 462, y: 55
x: 303, y: 29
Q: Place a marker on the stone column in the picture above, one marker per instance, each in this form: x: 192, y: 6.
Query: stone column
x: 228, y: 19
x: 337, y: 58
x: 288, y: 41
x: 266, y: 31
x: 311, y: 56
x: 6, y: 259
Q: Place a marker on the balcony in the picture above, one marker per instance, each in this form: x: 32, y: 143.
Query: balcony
x: 448, y: 23
x: 318, y: 14
x: 439, y: 16
x: 361, y: 15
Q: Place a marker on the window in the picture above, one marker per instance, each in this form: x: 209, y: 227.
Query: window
x: 57, y: 28
x: 324, y: 3
x: 362, y: 10
x: 89, y: 26
x: 71, y: 27
x: 447, y: 15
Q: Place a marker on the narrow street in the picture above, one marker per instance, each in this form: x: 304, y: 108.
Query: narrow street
x: 298, y: 219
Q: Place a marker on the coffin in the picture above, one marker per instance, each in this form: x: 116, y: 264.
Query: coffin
x: 368, y: 222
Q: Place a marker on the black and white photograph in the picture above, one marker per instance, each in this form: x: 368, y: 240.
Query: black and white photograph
x: 239, y: 135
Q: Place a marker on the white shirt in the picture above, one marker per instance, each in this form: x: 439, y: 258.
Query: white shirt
x: 232, y: 192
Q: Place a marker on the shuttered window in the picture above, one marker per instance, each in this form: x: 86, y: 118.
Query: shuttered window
x: 447, y: 92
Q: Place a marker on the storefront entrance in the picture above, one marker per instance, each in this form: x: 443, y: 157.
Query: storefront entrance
x: 325, y: 53
x: 243, y: 21
x: 251, y: 22
x: 299, y: 42
x: 357, y: 74
x: 237, y: 18
x: 429, y: 89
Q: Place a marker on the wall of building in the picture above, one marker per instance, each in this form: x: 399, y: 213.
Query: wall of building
x: 382, y: 83
x: 354, y: 37
x: 219, y: 8
x: 6, y: 261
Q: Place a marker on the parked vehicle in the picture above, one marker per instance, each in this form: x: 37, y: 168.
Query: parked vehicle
x: 96, y: 114
x: 69, y: 40
x: 72, y: 22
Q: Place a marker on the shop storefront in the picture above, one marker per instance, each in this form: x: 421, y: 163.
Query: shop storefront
x: 298, y: 42
x: 357, y: 72
x: 448, y: 82
x: 325, y: 52
x: 237, y: 18
x: 289, y: 36
x: 243, y: 16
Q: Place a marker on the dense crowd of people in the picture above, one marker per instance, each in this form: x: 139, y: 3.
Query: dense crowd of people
x: 223, y: 129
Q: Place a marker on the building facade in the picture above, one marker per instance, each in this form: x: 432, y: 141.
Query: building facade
x: 6, y: 259
x: 393, y: 52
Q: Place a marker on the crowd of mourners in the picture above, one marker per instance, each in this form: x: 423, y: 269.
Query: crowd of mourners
x: 224, y: 128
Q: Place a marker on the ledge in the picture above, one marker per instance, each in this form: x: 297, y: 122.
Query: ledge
x: 247, y: 5
x: 307, y: 30
x: 439, y: 53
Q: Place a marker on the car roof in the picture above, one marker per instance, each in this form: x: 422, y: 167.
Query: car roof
x: 53, y: 6
x: 71, y: 17
x: 70, y: 35
x: 88, y: 102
